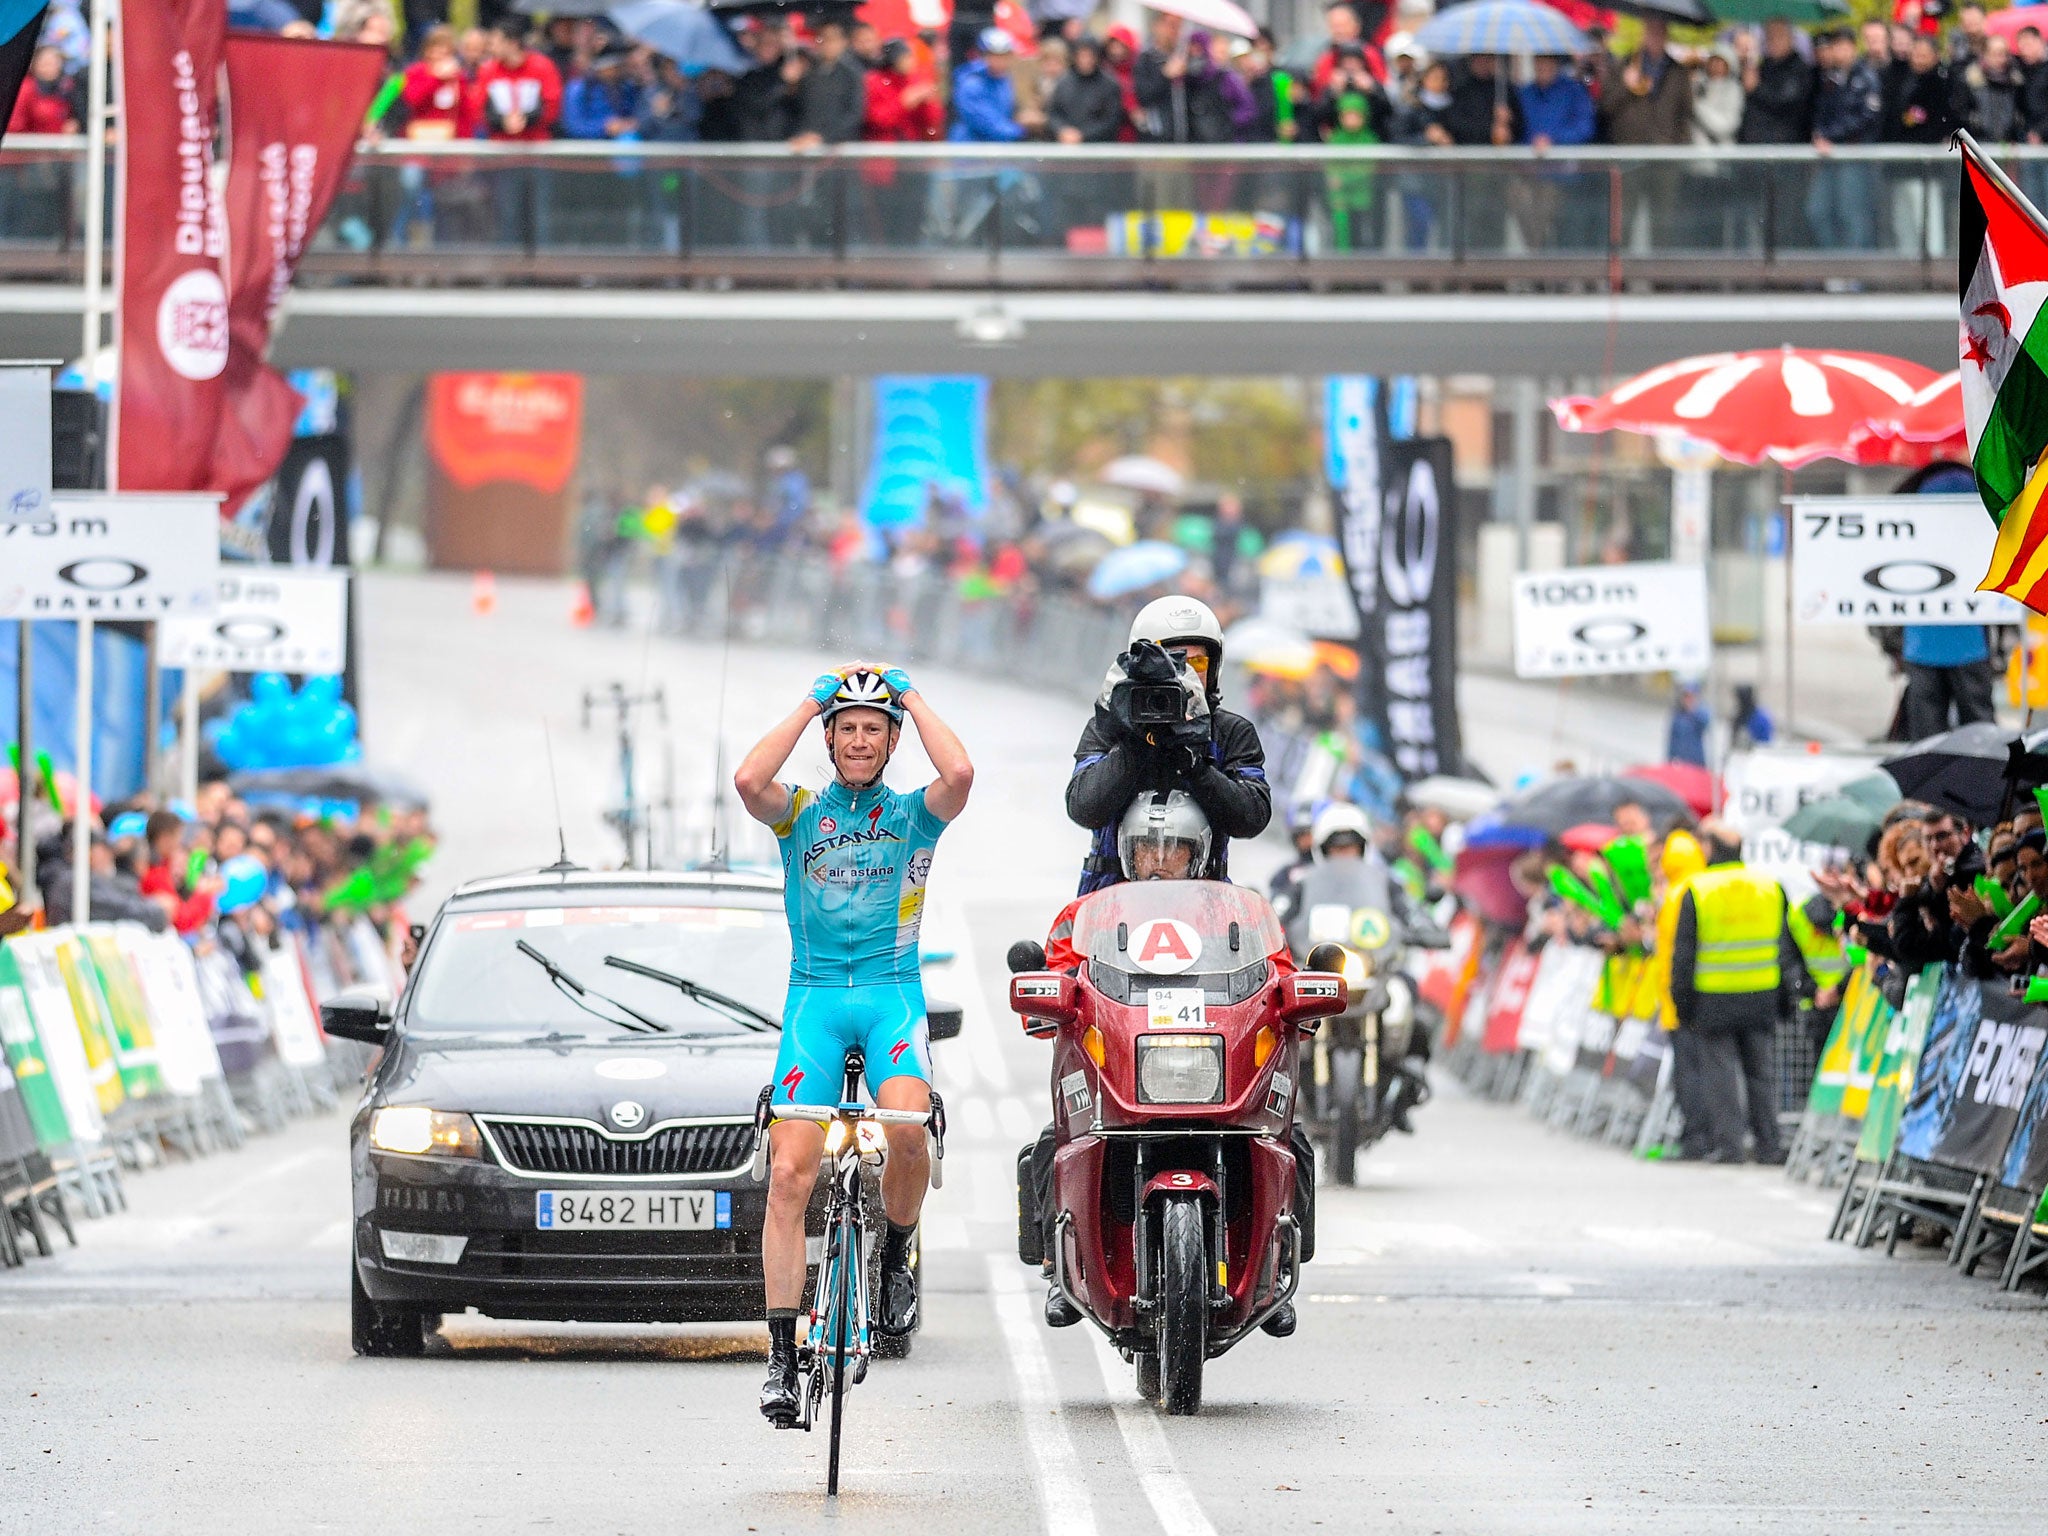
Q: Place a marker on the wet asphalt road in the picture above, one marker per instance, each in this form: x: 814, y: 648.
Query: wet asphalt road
x: 1505, y: 1330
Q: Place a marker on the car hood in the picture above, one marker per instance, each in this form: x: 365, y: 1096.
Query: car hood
x: 581, y: 1078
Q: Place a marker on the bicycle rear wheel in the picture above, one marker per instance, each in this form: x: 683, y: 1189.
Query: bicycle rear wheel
x: 847, y: 1242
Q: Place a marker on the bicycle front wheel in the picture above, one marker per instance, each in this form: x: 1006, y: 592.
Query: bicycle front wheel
x: 847, y: 1243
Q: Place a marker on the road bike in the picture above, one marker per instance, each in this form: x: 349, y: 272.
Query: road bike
x: 839, y: 1341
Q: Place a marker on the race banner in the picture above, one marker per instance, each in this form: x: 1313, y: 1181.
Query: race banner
x: 2026, y: 1159
x: 1957, y: 1009
x: 2005, y: 1051
x: 1608, y: 619
x: 1510, y: 995
x: 308, y: 522
x: 295, y: 107
x: 174, y: 246
x: 1764, y: 788
x: 501, y: 451
x: 1894, y: 560
x: 1396, y: 520
x: 1897, y: 1066
x: 1841, y: 1081
x: 1563, y: 990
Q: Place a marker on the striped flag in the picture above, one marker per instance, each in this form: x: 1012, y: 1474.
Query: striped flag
x: 2002, y: 281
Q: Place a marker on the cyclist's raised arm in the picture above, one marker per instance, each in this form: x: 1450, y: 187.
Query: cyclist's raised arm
x: 766, y: 800
x: 945, y: 798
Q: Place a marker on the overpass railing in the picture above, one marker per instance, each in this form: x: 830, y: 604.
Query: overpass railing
x: 1041, y: 216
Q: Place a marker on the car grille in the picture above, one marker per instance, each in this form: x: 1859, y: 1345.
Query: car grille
x: 531, y: 1146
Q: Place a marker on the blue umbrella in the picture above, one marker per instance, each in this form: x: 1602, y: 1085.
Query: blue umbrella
x: 686, y: 33
x: 1136, y: 567
x: 1519, y: 27
x: 262, y: 15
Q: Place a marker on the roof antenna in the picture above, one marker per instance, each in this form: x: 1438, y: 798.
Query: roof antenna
x: 562, y: 864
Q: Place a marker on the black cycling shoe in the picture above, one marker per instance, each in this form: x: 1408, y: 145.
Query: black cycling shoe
x: 778, y: 1392
x: 1281, y: 1324
x: 899, y: 1298
x: 1060, y: 1311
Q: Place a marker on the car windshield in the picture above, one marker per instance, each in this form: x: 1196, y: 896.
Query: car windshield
x: 473, y: 977
x: 1166, y: 928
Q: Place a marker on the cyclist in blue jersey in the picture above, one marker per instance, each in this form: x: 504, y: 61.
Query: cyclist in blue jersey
x: 855, y: 857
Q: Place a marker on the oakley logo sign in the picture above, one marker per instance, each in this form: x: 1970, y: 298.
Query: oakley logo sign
x: 1603, y: 633
x: 248, y: 630
x: 1166, y: 947
x: 1908, y: 578
x: 103, y: 573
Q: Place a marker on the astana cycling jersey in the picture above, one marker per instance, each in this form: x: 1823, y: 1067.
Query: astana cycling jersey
x: 854, y: 865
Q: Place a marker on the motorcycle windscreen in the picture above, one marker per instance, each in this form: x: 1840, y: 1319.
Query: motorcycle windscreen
x: 1186, y: 933
x: 1344, y: 901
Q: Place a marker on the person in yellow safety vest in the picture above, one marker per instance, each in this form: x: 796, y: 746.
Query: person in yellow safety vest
x: 1735, y: 971
x: 1681, y: 860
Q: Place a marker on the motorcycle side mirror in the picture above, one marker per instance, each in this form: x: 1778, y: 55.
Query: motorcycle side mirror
x: 1327, y: 957
x: 1047, y: 996
x: 1310, y: 995
x: 1026, y: 955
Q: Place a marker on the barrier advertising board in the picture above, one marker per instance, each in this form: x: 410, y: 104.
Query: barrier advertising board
x: 1598, y: 619
x: 2004, y: 1053
x: 1894, y: 560
x: 265, y: 619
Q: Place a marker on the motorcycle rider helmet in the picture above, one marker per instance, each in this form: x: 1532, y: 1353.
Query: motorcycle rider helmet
x: 864, y: 690
x: 1340, y: 819
x: 1158, y: 823
x: 1178, y: 620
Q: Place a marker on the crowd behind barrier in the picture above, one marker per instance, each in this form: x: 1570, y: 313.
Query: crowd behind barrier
x: 185, y: 1015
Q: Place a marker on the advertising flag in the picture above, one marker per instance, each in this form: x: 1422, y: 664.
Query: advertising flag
x: 295, y: 107
x: 174, y: 244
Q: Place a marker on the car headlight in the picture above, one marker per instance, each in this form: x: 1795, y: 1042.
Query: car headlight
x: 1180, y: 1069
x: 417, y: 1131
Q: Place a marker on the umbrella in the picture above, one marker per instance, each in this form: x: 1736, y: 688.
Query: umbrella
x: 1261, y: 645
x: 1559, y: 804
x: 686, y: 33
x: 1590, y: 837
x: 1136, y: 567
x: 1459, y: 799
x: 1690, y: 782
x: 2008, y: 22
x: 1961, y: 771
x: 1137, y: 472
x: 1296, y: 555
x: 1876, y: 791
x: 1337, y: 658
x: 1519, y: 27
x: 1777, y: 10
x: 336, y: 781
x: 1482, y: 880
x: 1836, y: 821
x: 1786, y: 405
x: 563, y: 7
x: 1211, y: 15
x: 1931, y: 423
x: 262, y: 15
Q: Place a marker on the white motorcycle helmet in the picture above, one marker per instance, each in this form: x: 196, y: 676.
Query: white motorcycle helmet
x: 1177, y: 620
x: 1159, y: 821
x: 1340, y: 819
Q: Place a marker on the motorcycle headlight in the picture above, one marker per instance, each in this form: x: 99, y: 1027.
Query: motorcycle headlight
x: 415, y: 1131
x: 1357, y: 969
x: 1180, y: 1069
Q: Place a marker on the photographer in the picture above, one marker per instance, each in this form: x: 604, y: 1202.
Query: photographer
x: 1145, y: 739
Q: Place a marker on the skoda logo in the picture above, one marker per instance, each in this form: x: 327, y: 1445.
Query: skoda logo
x: 1605, y: 632
x: 626, y: 1114
x: 1908, y: 578
x: 104, y: 573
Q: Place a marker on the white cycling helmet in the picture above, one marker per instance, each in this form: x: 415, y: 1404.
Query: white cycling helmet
x: 864, y: 690
x: 1181, y: 621
x: 1340, y: 819
x: 1158, y: 821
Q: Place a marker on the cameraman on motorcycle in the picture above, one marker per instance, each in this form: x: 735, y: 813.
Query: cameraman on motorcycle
x: 1142, y: 738
x: 1163, y: 836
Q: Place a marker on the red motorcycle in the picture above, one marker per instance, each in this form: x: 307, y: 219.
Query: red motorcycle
x: 1175, y: 1069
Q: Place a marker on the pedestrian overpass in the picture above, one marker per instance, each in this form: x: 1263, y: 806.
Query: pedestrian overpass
x: 1018, y: 260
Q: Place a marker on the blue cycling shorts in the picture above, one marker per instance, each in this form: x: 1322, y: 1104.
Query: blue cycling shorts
x: 820, y: 1024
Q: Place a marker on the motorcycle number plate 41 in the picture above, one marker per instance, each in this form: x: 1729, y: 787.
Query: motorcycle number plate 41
x: 1175, y: 1008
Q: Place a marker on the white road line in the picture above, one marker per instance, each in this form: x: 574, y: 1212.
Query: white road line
x: 242, y: 1186
x: 335, y: 1234
x: 1172, y: 1500
x: 1062, y: 1493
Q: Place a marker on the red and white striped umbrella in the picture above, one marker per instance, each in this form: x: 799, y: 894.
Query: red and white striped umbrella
x: 1930, y: 427
x: 1787, y: 405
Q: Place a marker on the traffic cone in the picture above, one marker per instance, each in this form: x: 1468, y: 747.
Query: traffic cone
x: 582, y: 612
x: 483, y: 593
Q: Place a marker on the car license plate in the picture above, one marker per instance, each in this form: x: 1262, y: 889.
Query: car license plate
x: 639, y: 1210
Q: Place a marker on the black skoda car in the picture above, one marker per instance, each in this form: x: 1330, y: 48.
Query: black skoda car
x: 561, y: 1125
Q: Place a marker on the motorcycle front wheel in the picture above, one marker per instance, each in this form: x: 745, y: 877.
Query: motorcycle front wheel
x: 1183, y: 1305
x: 1347, y: 1067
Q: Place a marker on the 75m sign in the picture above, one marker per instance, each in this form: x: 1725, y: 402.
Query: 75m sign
x: 133, y: 556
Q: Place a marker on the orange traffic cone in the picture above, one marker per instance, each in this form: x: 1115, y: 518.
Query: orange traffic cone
x: 483, y: 593
x: 582, y: 612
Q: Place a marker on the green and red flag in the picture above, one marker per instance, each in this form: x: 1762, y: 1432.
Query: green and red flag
x: 2002, y: 281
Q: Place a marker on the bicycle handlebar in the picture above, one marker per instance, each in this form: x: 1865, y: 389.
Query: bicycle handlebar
x: 825, y: 1114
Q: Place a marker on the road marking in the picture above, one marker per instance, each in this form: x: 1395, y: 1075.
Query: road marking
x: 1172, y: 1500
x: 335, y: 1234
x: 1062, y: 1494
x: 264, y: 1175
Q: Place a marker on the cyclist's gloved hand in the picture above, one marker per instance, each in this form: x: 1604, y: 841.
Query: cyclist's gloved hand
x: 826, y: 685
x: 899, y: 682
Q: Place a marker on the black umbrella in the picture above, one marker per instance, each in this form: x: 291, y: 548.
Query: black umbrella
x: 553, y: 8
x: 1962, y: 771
x: 335, y: 781
x: 1554, y: 807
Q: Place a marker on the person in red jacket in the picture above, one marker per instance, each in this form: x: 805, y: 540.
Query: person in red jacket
x: 164, y: 839
x: 47, y: 103
x: 517, y: 98
x: 903, y: 107
x: 439, y: 103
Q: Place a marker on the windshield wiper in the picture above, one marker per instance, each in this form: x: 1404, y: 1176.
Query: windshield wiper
x: 576, y: 992
x: 739, y: 1012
